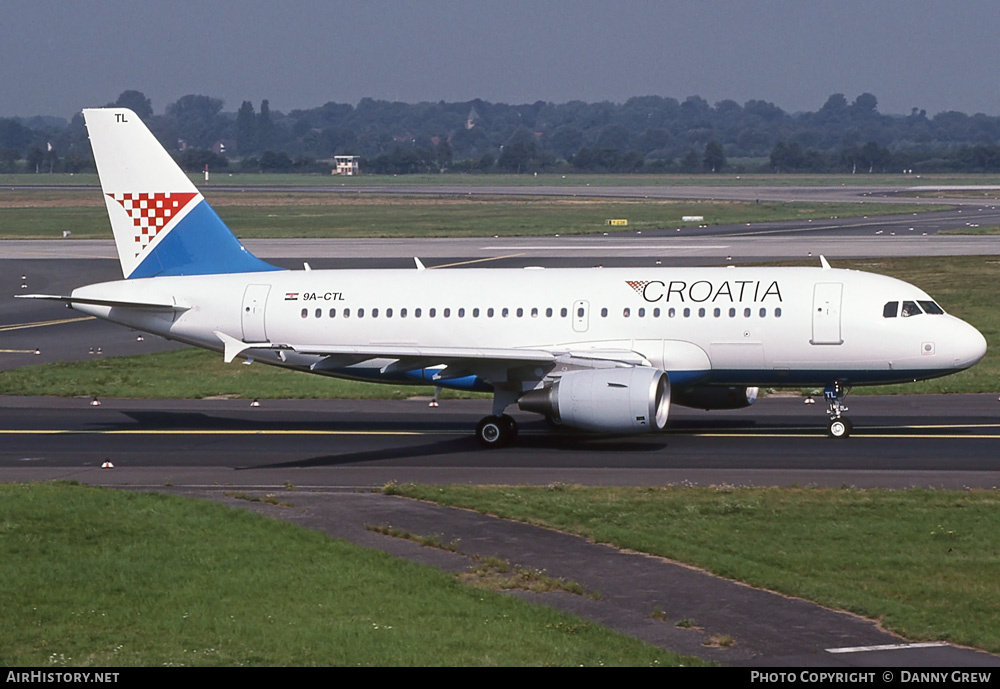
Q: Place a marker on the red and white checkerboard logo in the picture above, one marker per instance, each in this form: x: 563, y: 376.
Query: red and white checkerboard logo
x: 637, y: 285
x: 151, y: 212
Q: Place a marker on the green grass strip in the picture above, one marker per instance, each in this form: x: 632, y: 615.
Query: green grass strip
x: 96, y: 577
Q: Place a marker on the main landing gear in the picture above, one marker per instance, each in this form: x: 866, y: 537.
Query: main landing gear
x: 839, y: 425
x: 496, y: 431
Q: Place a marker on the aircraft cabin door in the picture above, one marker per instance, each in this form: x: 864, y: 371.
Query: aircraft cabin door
x: 826, y: 313
x: 254, y: 303
x: 581, y: 317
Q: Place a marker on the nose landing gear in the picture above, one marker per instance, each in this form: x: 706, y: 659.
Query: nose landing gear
x: 839, y: 425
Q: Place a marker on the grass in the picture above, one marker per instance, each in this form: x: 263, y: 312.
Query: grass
x: 988, y: 230
x: 103, y: 578
x: 191, y: 373
x: 555, y: 179
x: 922, y: 563
x: 47, y: 214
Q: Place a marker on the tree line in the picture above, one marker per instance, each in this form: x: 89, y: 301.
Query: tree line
x: 643, y: 134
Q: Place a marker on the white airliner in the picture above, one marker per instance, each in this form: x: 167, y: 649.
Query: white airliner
x: 602, y: 350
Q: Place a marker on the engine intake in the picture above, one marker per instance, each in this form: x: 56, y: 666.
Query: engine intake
x: 611, y: 400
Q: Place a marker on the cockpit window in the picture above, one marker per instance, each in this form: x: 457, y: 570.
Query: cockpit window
x: 931, y: 307
x: 910, y: 308
x: 889, y: 310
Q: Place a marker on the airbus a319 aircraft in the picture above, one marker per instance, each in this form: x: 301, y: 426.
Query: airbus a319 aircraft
x: 598, y: 350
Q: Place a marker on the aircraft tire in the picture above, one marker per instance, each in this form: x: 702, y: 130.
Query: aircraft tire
x: 840, y: 427
x: 495, y: 431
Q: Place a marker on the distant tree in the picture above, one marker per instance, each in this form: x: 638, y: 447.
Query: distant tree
x: 484, y: 163
x: 866, y: 102
x: 275, y: 162
x: 786, y: 157
x: 14, y: 135
x: 265, y: 127
x: 195, y: 160
x: 8, y: 159
x: 516, y: 156
x: 442, y: 154
x: 613, y: 136
x: 246, y: 129
x: 196, y: 119
x: 691, y: 162
x: 137, y: 102
x: 35, y: 159
x: 715, y: 158
x: 835, y: 104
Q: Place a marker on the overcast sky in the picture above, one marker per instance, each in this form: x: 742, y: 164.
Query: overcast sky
x: 58, y: 56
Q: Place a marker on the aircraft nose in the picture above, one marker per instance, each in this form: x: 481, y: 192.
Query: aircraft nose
x: 968, y: 344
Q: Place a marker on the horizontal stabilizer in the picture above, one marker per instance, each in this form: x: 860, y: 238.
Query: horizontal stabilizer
x: 105, y: 302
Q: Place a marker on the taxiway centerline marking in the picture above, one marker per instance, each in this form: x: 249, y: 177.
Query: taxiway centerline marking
x: 476, y: 260
x: 41, y: 324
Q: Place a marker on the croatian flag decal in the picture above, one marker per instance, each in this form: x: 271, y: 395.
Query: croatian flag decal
x: 151, y: 213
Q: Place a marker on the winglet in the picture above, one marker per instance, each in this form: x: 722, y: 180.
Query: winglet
x: 420, y: 266
x: 823, y: 262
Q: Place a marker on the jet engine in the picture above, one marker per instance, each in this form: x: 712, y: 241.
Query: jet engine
x: 609, y: 400
x: 707, y: 397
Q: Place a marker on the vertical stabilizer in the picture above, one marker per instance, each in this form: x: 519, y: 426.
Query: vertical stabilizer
x: 161, y: 222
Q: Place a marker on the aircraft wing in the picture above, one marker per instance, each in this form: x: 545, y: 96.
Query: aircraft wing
x: 490, y: 363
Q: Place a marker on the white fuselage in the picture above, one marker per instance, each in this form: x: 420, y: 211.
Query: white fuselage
x: 719, y: 326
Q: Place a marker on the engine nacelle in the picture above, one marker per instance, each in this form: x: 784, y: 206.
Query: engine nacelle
x: 707, y: 397
x: 609, y: 400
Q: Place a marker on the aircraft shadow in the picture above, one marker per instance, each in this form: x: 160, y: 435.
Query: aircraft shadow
x: 551, y: 442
